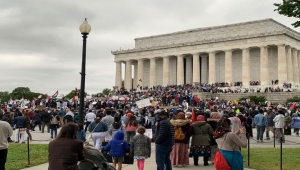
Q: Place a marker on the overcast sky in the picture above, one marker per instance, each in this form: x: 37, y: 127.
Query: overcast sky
x: 41, y: 46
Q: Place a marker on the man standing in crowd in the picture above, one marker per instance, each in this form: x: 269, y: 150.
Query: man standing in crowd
x: 46, y: 120
x: 5, y: 132
x: 164, y: 141
x: 6, y: 118
x: 270, y: 116
x: 279, y: 124
x: 260, y: 122
x: 89, y: 117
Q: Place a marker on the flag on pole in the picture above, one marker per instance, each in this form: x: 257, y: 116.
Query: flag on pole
x: 55, y: 95
x: 193, y: 116
x: 292, y: 108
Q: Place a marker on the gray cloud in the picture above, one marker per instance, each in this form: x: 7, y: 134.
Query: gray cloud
x: 40, y: 43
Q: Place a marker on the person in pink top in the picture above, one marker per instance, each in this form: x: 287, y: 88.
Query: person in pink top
x: 130, y: 128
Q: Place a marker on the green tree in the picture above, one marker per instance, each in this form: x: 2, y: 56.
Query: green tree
x: 18, y: 92
x: 289, y: 8
x: 4, y: 96
x: 294, y: 99
x: 106, y: 91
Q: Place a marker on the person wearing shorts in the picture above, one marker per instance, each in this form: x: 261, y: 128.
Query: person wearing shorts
x: 117, y: 149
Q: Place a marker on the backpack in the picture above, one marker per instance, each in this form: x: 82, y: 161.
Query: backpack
x: 54, y: 120
x: 179, y: 135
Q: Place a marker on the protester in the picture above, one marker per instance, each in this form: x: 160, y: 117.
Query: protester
x: 140, y: 147
x: 28, y: 125
x: 270, y: 126
x: 65, y: 150
x: 261, y: 123
x: 20, y: 125
x: 295, y: 123
x: 279, y: 121
x: 37, y: 120
x: 117, y: 149
x: 98, y: 129
x: 5, y: 131
x: 200, y: 145
x: 180, y: 151
x: 235, y: 123
x: 89, y: 117
x: 54, y: 124
x: 164, y: 141
x: 81, y: 133
x: 61, y: 114
x: 46, y: 120
x: 229, y: 143
x: 213, y: 122
x: 131, y: 127
x: 117, y: 125
x: 6, y: 117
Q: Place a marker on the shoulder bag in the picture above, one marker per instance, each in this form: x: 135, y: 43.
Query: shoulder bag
x: 220, y: 162
x: 90, y: 135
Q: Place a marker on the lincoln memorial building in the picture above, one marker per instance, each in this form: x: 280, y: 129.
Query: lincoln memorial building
x: 262, y: 51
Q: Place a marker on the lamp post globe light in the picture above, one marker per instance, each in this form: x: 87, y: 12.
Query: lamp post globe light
x: 85, y: 29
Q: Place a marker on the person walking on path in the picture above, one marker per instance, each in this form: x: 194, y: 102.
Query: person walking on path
x: 54, y: 124
x: 37, y: 120
x: 20, y: 125
x: 98, y: 130
x: 164, y: 141
x: 46, y: 120
x: 89, y: 117
x: 5, y: 131
x: 131, y: 127
x: 180, y: 152
x: 117, y: 149
x: 140, y: 147
x: 270, y: 116
x: 296, y: 123
x: 279, y: 124
x: 200, y: 145
x: 261, y: 123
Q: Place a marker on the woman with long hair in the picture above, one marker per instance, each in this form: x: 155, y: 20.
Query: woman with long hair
x: 180, y: 153
x: 229, y: 143
x: 66, y: 150
x: 130, y: 128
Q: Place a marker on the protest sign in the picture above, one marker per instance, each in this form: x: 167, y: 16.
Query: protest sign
x: 143, y: 103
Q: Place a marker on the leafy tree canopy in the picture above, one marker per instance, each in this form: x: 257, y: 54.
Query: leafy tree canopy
x: 106, y: 91
x: 289, y: 8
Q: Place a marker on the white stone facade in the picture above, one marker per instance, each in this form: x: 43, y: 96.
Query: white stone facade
x: 262, y: 50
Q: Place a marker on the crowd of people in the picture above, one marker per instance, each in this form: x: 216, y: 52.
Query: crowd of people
x: 192, y: 128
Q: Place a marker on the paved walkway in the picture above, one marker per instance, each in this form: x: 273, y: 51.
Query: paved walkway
x: 44, y: 138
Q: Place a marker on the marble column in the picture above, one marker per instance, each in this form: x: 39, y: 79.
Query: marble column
x: 212, y: 67
x: 282, y: 70
x: 152, y: 72
x: 166, y: 70
x: 118, y: 81
x: 128, y: 75
x: 204, y: 69
x: 228, y: 66
x: 196, y: 68
x: 189, y: 70
x: 246, y: 67
x: 140, y: 72
x: 295, y: 67
x: 135, y: 75
x: 180, y: 72
x: 298, y: 57
x: 290, y: 77
x: 264, y: 66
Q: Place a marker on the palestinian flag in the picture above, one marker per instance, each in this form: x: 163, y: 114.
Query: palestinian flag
x: 55, y: 95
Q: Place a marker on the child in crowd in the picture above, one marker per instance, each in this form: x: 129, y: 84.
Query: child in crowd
x: 117, y: 149
x: 140, y: 147
x: 81, y: 133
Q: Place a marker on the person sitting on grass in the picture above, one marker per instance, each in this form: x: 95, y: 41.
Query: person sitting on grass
x: 117, y: 149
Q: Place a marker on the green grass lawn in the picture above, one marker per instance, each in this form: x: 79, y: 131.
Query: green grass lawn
x: 269, y: 158
x: 17, y: 156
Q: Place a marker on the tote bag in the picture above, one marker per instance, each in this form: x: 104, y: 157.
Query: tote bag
x: 220, y: 162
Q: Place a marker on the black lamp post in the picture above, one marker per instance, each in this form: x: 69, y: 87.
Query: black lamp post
x: 85, y: 29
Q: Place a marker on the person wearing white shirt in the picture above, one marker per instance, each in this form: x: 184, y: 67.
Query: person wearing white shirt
x: 279, y: 124
x: 5, y: 131
x: 89, y: 117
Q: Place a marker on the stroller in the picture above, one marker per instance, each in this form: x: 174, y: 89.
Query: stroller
x: 97, y: 157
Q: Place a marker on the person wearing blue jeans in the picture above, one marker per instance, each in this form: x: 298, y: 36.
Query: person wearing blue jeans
x: 162, y: 155
x: 261, y: 122
x: 164, y: 140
